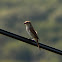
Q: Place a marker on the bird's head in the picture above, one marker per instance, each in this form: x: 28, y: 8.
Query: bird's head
x: 27, y: 23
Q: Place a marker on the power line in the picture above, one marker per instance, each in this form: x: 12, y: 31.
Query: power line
x: 29, y: 41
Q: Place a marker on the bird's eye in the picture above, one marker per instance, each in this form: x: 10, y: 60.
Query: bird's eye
x: 27, y: 22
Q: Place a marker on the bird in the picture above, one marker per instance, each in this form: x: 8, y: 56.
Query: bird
x: 30, y: 30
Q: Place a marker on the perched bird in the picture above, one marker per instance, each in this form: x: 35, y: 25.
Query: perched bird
x: 30, y: 30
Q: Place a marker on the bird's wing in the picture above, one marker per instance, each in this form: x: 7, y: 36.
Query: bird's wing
x: 34, y: 32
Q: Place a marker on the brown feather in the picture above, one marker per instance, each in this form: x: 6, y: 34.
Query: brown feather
x: 33, y: 31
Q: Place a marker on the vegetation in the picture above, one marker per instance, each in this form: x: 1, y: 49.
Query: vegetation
x: 46, y: 17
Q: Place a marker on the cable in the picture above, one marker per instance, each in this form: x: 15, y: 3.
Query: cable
x: 29, y: 41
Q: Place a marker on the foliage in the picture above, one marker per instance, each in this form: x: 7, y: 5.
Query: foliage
x: 46, y: 17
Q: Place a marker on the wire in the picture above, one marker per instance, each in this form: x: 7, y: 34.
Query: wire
x: 29, y: 41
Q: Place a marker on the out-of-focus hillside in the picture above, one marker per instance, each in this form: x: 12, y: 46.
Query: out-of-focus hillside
x: 46, y: 17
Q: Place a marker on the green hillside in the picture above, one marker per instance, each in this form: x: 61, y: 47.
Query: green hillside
x: 45, y: 16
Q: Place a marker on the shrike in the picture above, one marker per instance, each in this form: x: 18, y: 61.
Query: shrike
x: 30, y: 30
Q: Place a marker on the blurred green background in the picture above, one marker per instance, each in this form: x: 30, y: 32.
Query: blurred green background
x: 46, y: 17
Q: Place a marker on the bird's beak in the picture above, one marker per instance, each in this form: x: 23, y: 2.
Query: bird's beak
x: 24, y: 23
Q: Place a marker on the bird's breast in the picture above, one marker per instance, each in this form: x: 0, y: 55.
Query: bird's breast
x: 29, y: 32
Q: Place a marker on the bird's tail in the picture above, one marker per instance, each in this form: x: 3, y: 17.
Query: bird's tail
x: 37, y: 43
